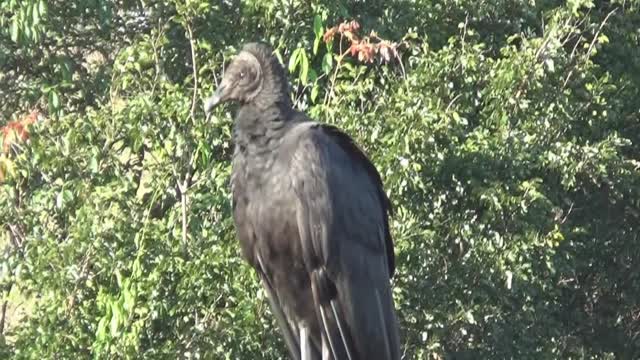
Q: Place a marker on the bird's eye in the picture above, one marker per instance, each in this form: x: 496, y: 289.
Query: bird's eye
x: 241, y: 75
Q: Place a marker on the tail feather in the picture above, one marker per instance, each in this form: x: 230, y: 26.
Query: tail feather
x: 348, y: 349
x: 328, y: 317
x: 364, y: 295
x: 360, y: 323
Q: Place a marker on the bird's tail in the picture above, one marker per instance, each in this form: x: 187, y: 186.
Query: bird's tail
x: 359, y: 323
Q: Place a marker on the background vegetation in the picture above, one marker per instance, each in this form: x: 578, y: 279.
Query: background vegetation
x: 507, y: 133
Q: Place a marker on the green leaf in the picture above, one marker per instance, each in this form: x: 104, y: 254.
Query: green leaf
x: 67, y: 69
x: 35, y: 15
x: 203, y: 6
x: 15, y: 30
x: 278, y: 54
x: 203, y: 44
x: 304, y: 71
x: 28, y: 12
x: 93, y: 165
x: 101, y: 332
x: 318, y: 30
x: 63, y: 197
x: 60, y: 200
x: 28, y: 33
x: 313, y: 75
x: 129, y: 300
x: 43, y: 8
x: 54, y: 100
x: 327, y: 63
x: 293, y: 61
x: 118, y: 274
x: 115, y: 319
x: 317, y: 26
x: 603, y: 39
x: 314, y: 93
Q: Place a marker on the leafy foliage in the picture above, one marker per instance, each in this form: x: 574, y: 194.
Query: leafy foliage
x: 506, y: 133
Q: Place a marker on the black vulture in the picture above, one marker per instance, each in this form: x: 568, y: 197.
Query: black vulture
x: 311, y: 217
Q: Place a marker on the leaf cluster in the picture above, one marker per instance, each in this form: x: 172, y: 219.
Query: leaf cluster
x: 506, y: 134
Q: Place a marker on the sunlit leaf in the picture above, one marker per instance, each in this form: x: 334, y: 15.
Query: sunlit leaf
x: 294, y: 60
x: 327, y: 63
x: 15, y: 30
x: 43, y: 7
x: 304, y: 67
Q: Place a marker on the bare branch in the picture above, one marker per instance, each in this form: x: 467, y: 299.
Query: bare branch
x: 3, y: 314
x: 192, y: 43
x: 593, y: 42
x: 464, y: 29
x: 83, y: 275
x: 452, y: 102
x: 184, y: 182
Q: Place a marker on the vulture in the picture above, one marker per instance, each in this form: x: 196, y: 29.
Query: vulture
x: 311, y: 216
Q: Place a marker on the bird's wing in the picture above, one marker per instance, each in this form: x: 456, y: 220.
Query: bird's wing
x: 287, y: 325
x: 342, y: 216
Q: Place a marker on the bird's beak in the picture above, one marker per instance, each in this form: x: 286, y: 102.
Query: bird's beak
x: 214, y: 100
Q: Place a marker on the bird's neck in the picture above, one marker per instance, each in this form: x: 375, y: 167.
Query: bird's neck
x: 259, y: 129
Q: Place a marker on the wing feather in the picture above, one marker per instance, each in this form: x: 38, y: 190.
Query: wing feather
x: 290, y: 339
x: 342, y: 214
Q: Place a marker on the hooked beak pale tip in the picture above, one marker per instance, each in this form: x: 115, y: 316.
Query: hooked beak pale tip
x: 214, y: 100
x: 211, y: 103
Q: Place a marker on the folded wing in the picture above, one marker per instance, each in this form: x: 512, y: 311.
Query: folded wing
x: 342, y: 216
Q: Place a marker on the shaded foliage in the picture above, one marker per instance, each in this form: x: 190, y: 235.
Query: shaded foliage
x: 509, y: 146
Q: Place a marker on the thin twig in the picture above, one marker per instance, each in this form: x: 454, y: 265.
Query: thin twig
x: 573, y: 51
x: 464, y: 29
x: 183, y: 199
x: 539, y: 54
x: 192, y: 44
x: 3, y: 315
x: 82, y: 277
x: 595, y: 38
x: 304, y: 89
x: 452, y: 102
x: 7, y: 291
x: 215, y: 79
x: 593, y: 42
x: 156, y: 58
x: 183, y: 184
x: 564, y: 219
x: 404, y: 74
x: 16, y: 237
x: 335, y: 72
x: 576, y: 26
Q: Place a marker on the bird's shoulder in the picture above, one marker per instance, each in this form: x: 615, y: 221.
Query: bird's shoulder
x: 309, y: 141
x: 327, y: 162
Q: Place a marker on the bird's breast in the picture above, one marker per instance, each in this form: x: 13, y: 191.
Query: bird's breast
x: 266, y: 224
x: 264, y: 214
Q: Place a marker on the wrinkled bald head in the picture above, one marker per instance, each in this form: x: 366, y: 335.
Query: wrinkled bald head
x: 254, y: 77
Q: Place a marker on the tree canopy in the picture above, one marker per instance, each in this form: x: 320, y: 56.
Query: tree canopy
x: 507, y: 134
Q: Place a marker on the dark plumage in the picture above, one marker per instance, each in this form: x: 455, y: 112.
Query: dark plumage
x: 312, y: 219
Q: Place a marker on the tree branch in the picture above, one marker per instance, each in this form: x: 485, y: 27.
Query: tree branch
x: 185, y: 182
x: 192, y: 44
x: 593, y: 42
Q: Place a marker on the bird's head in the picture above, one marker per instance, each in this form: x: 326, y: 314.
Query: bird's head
x: 253, y: 76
